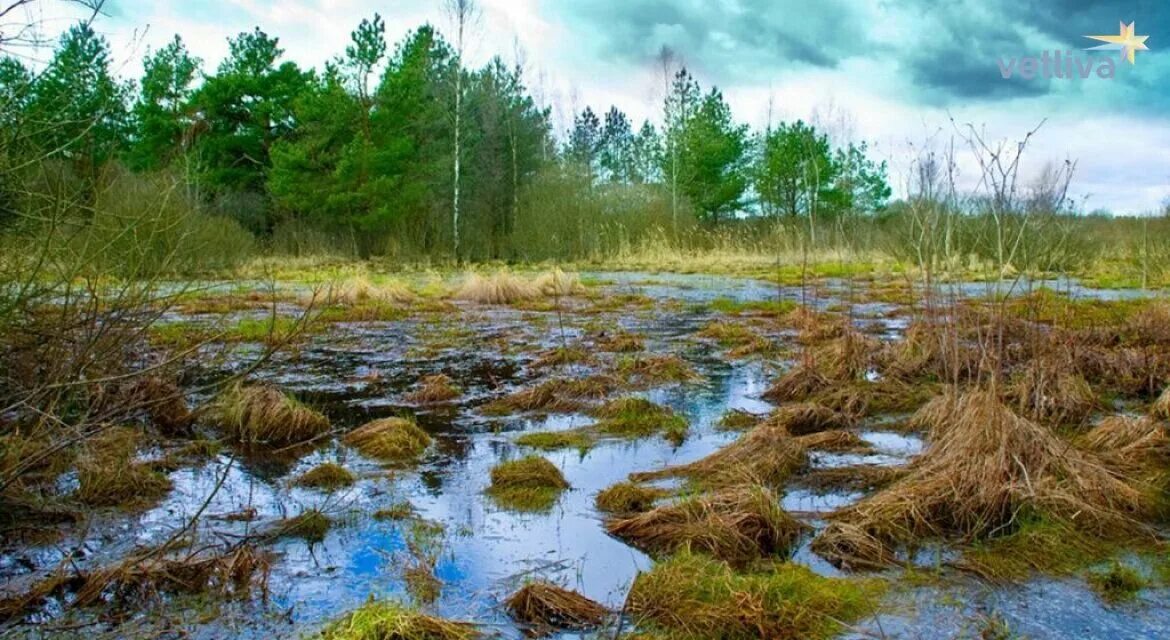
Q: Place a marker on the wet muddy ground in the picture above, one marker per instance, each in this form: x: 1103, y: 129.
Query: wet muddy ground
x: 358, y: 371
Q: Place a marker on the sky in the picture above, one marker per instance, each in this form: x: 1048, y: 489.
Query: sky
x: 902, y: 75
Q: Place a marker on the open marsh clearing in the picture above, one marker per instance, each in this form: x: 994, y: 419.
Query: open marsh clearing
x: 771, y: 437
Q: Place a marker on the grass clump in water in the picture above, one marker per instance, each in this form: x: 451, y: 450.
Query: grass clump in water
x: 692, y: 597
x: 432, y: 389
x: 389, y: 439
x: 985, y: 468
x: 397, y: 511
x: 774, y: 308
x: 627, y: 497
x: 527, y: 484
x: 310, y: 525
x: 328, y: 476
x: 737, y: 420
x: 552, y: 440
x: 560, y: 356
x: 558, y: 395
x: 393, y: 621
x: 638, y: 417
x: 656, y: 369
x: 738, y: 525
x: 1119, y: 583
x: 264, y: 415
x: 619, y: 342
x: 547, y: 606
x: 108, y: 475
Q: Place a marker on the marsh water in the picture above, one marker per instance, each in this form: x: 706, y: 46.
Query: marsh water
x: 359, y: 371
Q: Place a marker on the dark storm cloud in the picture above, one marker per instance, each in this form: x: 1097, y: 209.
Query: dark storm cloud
x: 729, y: 39
x: 946, y: 49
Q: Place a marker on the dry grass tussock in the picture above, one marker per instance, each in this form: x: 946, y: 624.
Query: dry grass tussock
x: 504, y: 287
x: 264, y: 415
x: 691, y: 597
x: 807, y: 417
x: 767, y: 455
x: 547, y: 606
x: 800, y: 383
x: 358, y: 290
x: 555, y: 395
x: 986, y: 467
x: 655, y: 369
x: 385, y: 620
x: 738, y: 525
x: 137, y: 579
x: 435, y: 388
x: 109, y: 476
x: 619, y: 342
x: 389, y: 439
x: 1047, y: 392
x: 627, y: 497
x: 1130, y: 444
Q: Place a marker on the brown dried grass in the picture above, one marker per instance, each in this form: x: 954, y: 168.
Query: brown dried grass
x: 738, y: 525
x: 433, y: 389
x: 264, y: 415
x: 985, y: 468
x: 545, y: 605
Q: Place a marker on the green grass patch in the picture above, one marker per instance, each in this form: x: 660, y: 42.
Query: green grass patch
x: 1118, y: 583
x: 530, y: 484
x: 582, y: 439
x: 385, y: 620
x: 691, y: 596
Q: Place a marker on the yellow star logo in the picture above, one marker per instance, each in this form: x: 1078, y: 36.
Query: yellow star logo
x: 1126, y: 41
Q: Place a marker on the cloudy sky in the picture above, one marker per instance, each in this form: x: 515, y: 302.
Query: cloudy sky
x: 900, y: 74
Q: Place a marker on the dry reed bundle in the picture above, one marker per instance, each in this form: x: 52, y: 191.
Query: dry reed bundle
x: 1047, y: 392
x: 985, y: 467
x: 548, y: 606
x: 129, y: 581
x: 435, y: 388
x: 738, y: 525
x: 848, y: 357
x: 262, y: 414
x: 866, y: 477
x: 861, y: 398
x: 390, y: 439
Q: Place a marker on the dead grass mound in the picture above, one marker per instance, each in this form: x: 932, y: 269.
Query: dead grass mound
x: 766, y: 455
x: 545, y: 605
x: 986, y: 467
x: 389, y: 439
x: 862, y: 398
x: 557, y: 283
x: 847, y: 357
x: 264, y: 415
x: 384, y: 620
x: 109, y: 476
x: 1128, y: 444
x: 807, y: 417
x: 558, y: 395
x: 798, y: 384
x: 628, y: 497
x: 1049, y: 393
x: 499, y: 288
x: 865, y: 477
x: 738, y: 525
x: 359, y: 290
x: 432, y: 389
x: 693, y: 597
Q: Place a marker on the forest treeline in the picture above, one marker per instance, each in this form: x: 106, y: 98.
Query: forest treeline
x: 405, y: 150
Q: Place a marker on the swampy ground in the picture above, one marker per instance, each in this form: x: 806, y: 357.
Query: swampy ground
x: 782, y: 422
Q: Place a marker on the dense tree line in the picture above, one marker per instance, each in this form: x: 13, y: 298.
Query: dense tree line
x: 364, y: 150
